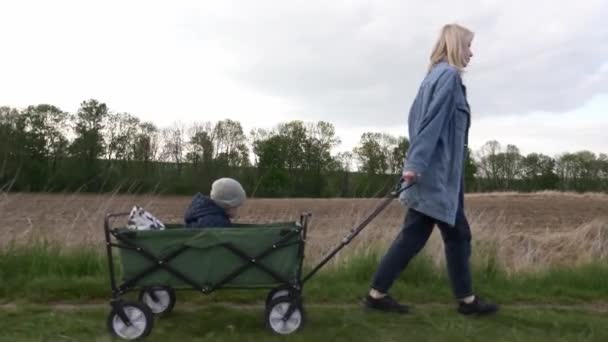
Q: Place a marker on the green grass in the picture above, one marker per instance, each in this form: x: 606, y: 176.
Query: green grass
x: 217, y: 323
x: 34, y: 275
x: 44, y: 273
x: 422, y: 282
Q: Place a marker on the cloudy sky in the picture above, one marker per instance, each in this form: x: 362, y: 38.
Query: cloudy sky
x: 538, y: 79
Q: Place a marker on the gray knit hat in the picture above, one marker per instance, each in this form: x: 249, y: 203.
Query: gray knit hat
x: 227, y: 193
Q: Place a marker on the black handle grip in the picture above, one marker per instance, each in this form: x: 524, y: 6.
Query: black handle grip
x: 399, y: 188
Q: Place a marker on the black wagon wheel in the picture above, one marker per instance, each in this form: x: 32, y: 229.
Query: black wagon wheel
x: 139, y: 325
x: 284, y: 315
x: 160, y: 299
x: 279, y: 291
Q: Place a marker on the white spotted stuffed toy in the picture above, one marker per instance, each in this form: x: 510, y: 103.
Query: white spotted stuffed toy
x: 139, y: 219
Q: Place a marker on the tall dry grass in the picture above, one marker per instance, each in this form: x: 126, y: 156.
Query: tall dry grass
x: 522, y: 232
x: 529, y: 251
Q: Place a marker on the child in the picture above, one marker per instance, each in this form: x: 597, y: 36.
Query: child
x: 227, y: 195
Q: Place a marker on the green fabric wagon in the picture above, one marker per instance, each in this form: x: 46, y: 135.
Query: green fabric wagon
x: 208, y: 257
x: 157, y: 262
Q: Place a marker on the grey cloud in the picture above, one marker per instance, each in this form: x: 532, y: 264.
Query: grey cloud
x: 358, y: 63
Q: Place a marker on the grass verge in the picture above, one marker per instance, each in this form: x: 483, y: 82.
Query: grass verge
x: 217, y: 323
x: 43, y: 273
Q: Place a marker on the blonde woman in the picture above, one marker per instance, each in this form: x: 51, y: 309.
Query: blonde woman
x: 439, y: 123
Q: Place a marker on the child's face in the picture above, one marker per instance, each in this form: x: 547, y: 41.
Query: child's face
x: 232, y: 212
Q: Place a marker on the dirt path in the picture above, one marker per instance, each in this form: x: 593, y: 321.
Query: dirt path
x: 598, y: 307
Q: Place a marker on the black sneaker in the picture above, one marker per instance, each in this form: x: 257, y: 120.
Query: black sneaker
x: 385, y: 304
x: 477, y: 307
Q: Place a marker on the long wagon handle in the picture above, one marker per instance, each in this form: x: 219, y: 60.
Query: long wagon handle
x: 399, y: 188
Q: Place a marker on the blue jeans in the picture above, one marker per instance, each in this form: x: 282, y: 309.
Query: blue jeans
x: 416, y: 231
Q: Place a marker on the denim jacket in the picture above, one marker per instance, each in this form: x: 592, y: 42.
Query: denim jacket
x: 438, y: 123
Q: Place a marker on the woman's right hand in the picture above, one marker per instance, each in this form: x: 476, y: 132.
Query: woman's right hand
x: 408, y: 177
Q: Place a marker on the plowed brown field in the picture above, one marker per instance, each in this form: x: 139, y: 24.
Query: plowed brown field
x: 525, y: 229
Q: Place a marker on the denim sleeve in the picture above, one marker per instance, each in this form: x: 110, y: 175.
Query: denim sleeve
x: 428, y: 131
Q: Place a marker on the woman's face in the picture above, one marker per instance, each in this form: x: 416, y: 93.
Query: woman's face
x: 467, y: 52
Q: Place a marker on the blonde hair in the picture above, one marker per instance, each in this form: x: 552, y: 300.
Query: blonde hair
x: 450, y: 45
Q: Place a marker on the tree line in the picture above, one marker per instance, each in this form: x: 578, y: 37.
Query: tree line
x: 43, y: 148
